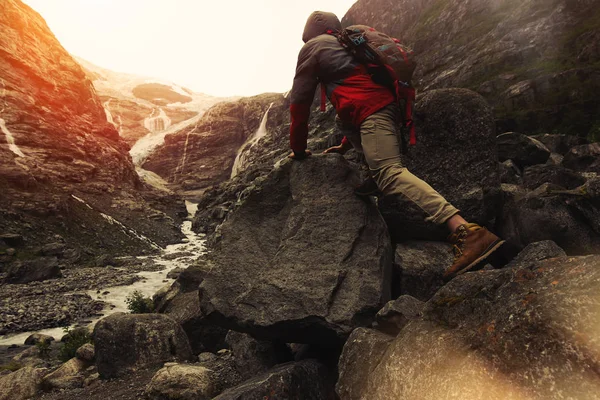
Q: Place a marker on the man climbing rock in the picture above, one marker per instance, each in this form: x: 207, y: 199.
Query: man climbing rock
x: 368, y: 114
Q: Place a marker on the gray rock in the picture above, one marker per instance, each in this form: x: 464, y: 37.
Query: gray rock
x: 555, y: 159
x: 22, y: 384
x: 495, y: 335
x: 538, y: 251
x: 291, y: 381
x: 422, y: 265
x: 266, y: 277
x: 91, y: 380
x: 585, y: 158
x: 253, y: 357
x: 560, y: 144
x: 362, y: 353
x: 12, y: 239
x: 36, y: 338
x: 174, y: 273
x: 536, y: 175
x: 86, y: 353
x: 181, y: 382
x: 548, y: 214
x: 206, y: 357
x: 128, y: 342
x: 67, y: 376
x: 455, y: 154
x: 510, y: 173
x: 53, y: 249
x: 522, y: 149
x: 224, y: 373
x: 182, y: 303
x: 397, y: 313
x: 39, y: 269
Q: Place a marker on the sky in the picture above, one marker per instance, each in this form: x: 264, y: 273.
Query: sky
x: 217, y: 47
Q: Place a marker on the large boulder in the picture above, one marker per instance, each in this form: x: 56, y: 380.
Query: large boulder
x: 39, y: 269
x: 456, y: 155
x: 583, y: 158
x: 22, y: 384
x: 181, y: 382
x: 182, y: 303
x: 522, y: 149
x: 560, y: 144
x: 292, y: 381
x: 302, y: 259
x: 127, y: 342
x: 253, y: 357
x: 67, y: 376
x: 551, y: 213
x: 536, y: 175
x: 527, y: 331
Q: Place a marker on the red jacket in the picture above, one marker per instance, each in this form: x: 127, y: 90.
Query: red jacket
x: 348, y: 85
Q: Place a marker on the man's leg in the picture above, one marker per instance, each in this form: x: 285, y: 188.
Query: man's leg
x: 381, y: 146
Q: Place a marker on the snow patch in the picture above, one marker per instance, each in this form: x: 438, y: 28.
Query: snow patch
x: 10, y: 139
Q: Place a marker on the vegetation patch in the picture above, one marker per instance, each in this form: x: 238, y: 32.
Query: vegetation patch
x: 75, y: 338
x: 137, y: 303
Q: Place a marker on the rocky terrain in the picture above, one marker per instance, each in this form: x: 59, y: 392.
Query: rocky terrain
x: 535, y: 61
x: 308, y: 291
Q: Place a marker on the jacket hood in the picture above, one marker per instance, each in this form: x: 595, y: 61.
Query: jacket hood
x: 318, y: 23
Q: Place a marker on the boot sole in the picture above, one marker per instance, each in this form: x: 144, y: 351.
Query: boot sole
x: 491, y: 248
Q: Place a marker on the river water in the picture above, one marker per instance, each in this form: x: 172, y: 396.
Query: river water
x: 179, y: 255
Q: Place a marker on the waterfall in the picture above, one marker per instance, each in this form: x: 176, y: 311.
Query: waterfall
x: 157, y: 123
x: 181, y: 166
x: 110, y: 118
x: 146, y: 145
x: 10, y: 139
x: 242, y: 154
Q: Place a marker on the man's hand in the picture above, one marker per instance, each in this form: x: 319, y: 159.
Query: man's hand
x: 299, y: 156
x: 336, y: 149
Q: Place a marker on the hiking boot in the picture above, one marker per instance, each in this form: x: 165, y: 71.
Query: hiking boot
x: 367, y: 188
x: 471, y: 245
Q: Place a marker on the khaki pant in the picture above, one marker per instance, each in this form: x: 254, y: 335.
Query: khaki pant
x: 379, y: 141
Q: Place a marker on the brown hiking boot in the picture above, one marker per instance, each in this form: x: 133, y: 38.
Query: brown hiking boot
x: 471, y: 245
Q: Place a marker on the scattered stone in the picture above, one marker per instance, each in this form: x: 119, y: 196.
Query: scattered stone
x: 128, y: 342
x: 522, y: 149
x: 253, y: 357
x: 22, y: 384
x: 397, y: 313
x: 583, y: 158
x: 39, y: 269
x: 36, y: 338
x: 182, y: 382
x: 86, y: 353
x: 510, y: 173
x: 11, y: 252
x: 12, y: 239
x: 56, y: 249
x: 174, y: 273
x: 104, y: 260
x: 560, y: 144
x: 295, y: 380
x: 536, y: 175
x: 91, y: 380
x: 224, y: 371
x: 67, y: 376
x: 207, y: 357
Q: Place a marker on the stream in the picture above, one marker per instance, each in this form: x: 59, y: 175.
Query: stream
x: 179, y: 255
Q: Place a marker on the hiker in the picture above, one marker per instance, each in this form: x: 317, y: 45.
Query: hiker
x: 368, y: 114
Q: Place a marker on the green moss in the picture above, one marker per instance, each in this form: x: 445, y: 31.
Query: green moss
x: 11, y: 366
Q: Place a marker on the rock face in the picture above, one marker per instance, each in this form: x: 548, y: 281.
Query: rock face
x: 56, y: 143
x: 527, y: 331
x: 583, y: 158
x: 39, y: 269
x: 206, y: 153
x: 253, y: 357
x: 521, y: 149
x: 294, y: 381
x: 267, y: 279
x: 127, y: 342
x: 456, y: 155
x: 534, y: 61
x: 22, y: 384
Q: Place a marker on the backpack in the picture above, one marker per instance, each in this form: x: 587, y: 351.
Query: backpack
x: 389, y: 63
